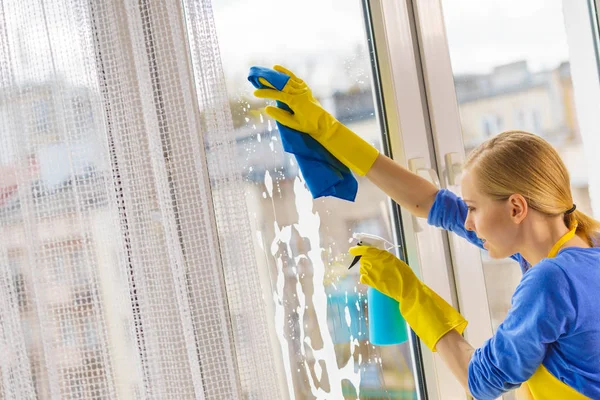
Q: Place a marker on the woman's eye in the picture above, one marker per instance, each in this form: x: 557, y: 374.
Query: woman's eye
x: 471, y: 209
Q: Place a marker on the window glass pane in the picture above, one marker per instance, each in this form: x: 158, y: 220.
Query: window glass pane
x: 318, y: 310
x: 511, y: 70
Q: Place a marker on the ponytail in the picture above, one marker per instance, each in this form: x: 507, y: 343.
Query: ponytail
x: 587, y: 227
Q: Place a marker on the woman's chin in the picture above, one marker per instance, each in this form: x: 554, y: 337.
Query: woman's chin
x: 496, y: 255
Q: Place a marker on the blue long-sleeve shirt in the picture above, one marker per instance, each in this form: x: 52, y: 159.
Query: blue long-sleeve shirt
x: 554, y: 319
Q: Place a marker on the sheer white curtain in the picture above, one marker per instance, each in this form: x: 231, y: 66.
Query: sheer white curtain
x: 126, y: 264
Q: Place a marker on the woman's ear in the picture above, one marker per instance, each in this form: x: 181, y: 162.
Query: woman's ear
x: 518, y: 207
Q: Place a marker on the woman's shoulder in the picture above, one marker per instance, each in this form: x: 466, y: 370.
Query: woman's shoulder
x: 576, y: 268
x: 573, y: 259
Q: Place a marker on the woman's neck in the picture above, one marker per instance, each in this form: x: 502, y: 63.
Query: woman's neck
x: 541, y: 234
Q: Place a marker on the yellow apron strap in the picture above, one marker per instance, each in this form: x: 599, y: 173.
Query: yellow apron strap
x: 543, y: 385
x: 561, y: 242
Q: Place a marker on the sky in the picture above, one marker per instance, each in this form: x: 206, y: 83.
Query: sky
x: 485, y: 33
x: 481, y: 34
x: 320, y: 37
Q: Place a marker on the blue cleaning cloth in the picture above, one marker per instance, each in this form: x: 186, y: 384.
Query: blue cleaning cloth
x: 323, y: 173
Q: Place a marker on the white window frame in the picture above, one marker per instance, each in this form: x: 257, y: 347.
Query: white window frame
x: 409, y: 134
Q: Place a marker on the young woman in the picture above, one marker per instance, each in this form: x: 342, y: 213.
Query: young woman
x: 517, y: 203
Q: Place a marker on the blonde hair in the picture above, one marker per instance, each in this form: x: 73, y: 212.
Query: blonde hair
x: 521, y: 162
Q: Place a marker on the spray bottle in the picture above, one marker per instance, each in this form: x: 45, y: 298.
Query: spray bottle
x: 386, y: 324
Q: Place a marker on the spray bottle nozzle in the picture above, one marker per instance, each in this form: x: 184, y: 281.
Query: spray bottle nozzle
x: 366, y: 239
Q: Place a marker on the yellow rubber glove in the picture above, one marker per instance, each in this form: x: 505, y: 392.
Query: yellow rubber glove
x: 309, y: 117
x: 430, y: 316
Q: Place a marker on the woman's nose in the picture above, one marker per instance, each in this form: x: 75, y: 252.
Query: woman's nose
x: 469, y: 224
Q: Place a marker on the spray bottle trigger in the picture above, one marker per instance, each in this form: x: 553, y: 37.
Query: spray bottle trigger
x: 356, y: 258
